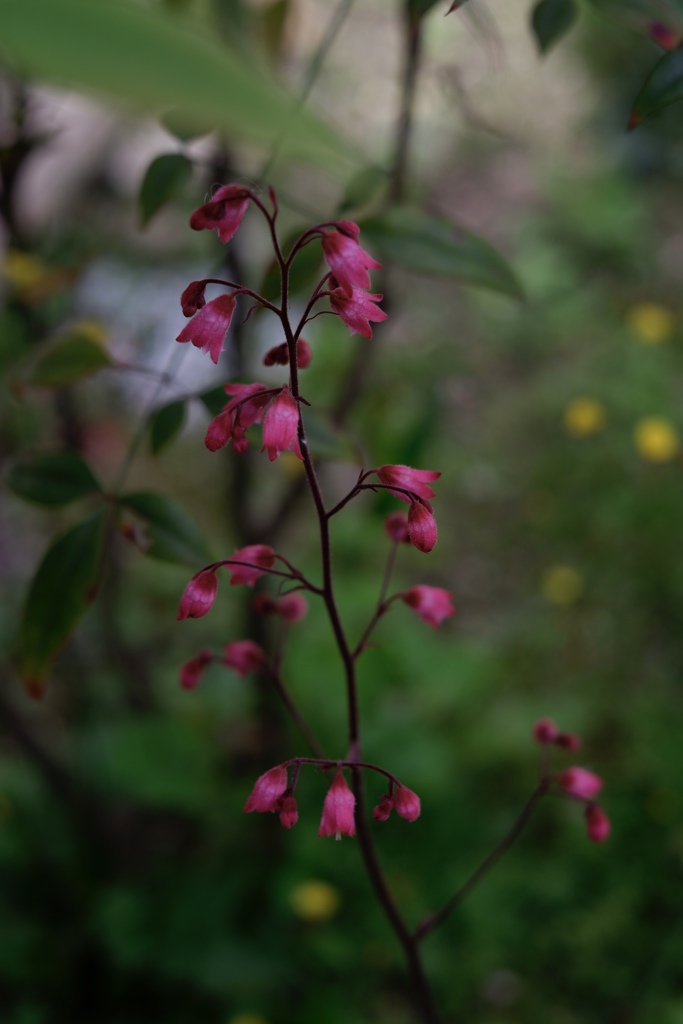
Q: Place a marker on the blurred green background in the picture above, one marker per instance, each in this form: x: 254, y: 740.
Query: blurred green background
x: 132, y: 887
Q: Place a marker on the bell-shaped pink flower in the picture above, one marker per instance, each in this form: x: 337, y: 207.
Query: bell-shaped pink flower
x: 545, y: 731
x: 598, y: 825
x: 199, y: 595
x: 292, y: 607
x: 384, y: 808
x: 281, y: 426
x: 289, y: 813
x: 337, y: 819
x: 260, y: 555
x: 265, y: 796
x: 279, y: 355
x: 192, y: 298
x: 407, y: 803
x: 208, y: 328
x: 347, y: 261
x: 579, y: 782
x: 244, y: 656
x: 396, y: 528
x: 568, y: 741
x: 432, y: 604
x: 223, y: 213
x: 415, y: 480
x: 192, y: 670
x: 238, y: 415
x: 422, y: 526
x: 357, y: 310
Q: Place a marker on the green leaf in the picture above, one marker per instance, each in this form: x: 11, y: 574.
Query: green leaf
x: 152, y: 61
x: 60, y: 593
x: 68, y: 360
x: 165, y: 179
x: 173, y: 534
x: 166, y: 423
x: 662, y: 88
x: 326, y: 441
x: 273, y: 19
x: 418, y: 8
x: 550, y: 19
x: 363, y: 189
x: 215, y: 400
x: 53, y: 479
x: 641, y: 15
x: 431, y: 245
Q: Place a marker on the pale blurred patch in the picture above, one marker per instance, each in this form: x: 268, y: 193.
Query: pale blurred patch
x: 656, y: 439
x: 584, y: 417
x: 651, y: 322
x: 314, y: 900
x: 561, y: 585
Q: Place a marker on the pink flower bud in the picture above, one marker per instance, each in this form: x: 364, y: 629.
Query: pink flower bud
x: 384, y: 808
x: 357, y: 310
x: 421, y: 526
x: 347, y: 261
x: 192, y: 298
x: 260, y: 555
x: 432, y: 604
x: 597, y: 824
x: 396, y: 528
x: 407, y: 803
x: 568, y: 741
x: 337, y: 818
x: 289, y: 814
x: 209, y: 326
x: 244, y: 656
x: 663, y: 35
x: 192, y: 670
x: 579, y: 782
x: 292, y: 607
x: 545, y: 731
x: 200, y: 593
x: 303, y: 354
x: 223, y: 213
x: 264, y: 604
x: 281, y: 426
x: 265, y: 796
x: 415, y: 480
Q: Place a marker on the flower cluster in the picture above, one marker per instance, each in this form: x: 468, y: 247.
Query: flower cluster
x: 575, y: 782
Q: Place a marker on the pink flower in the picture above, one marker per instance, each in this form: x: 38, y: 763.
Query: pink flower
x: 347, y: 261
x: 237, y: 416
x: 357, y: 310
x: 208, y: 328
x: 244, y: 656
x: 292, y: 607
x: 598, y: 824
x: 281, y: 426
x: 384, y: 808
x: 432, y: 604
x: 421, y: 526
x: 663, y: 35
x: 192, y: 298
x: 265, y: 796
x: 223, y: 213
x: 337, y: 819
x: 396, y: 528
x: 579, y: 782
x: 279, y: 356
x: 568, y: 741
x: 260, y: 555
x: 545, y: 731
x: 407, y: 803
x: 289, y: 814
x: 200, y: 593
x: 415, y: 480
x: 192, y: 670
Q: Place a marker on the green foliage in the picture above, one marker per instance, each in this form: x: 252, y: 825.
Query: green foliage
x: 67, y: 361
x: 165, y: 179
x: 53, y: 479
x: 662, y: 88
x: 551, y: 19
x: 166, y: 424
x: 172, y: 534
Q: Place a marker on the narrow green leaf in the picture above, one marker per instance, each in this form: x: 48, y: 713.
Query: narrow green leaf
x: 550, y: 19
x: 166, y: 423
x: 214, y: 400
x: 53, y: 479
x: 662, y: 88
x: 67, y: 361
x: 431, y: 245
x: 63, y: 587
x: 173, y: 534
x: 165, y: 179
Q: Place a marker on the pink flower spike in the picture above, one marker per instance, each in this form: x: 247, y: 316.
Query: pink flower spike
x: 422, y: 526
x: 396, y: 528
x: 337, y: 819
x: 357, y: 310
x: 568, y: 741
x: 289, y: 813
x: 415, y: 480
x: 208, y: 328
x: 292, y: 607
x: 579, y: 782
x: 545, y: 731
x: 347, y: 261
x: 407, y: 803
x: 192, y: 670
x: 265, y: 796
x: 432, y: 604
x: 200, y: 593
x: 598, y: 824
x: 261, y: 555
x: 223, y: 213
x: 244, y: 656
x: 384, y: 808
x: 192, y: 298
x: 281, y: 426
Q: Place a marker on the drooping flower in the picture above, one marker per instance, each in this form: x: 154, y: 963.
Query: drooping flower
x: 357, y: 310
x: 579, y: 782
x: 192, y: 298
x: 242, y: 412
x: 223, y: 213
x: 384, y: 808
x: 415, y: 480
x: 292, y: 607
x: 407, y: 803
x: 269, y: 787
x: 545, y: 731
x: 192, y: 671
x: 199, y: 595
x: 244, y: 656
x: 281, y: 426
x: 261, y: 556
x: 347, y: 261
x: 432, y: 604
x: 598, y: 824
x: 208, y: 328
x: 422, y: 526
x: 568, y: 741
x: 289, y: 813
x: 337, y: 818
x: 396, y: 528
x: 279, y: 355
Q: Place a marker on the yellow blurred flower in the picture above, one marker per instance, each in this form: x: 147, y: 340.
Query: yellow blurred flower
x: 561, y: 585
x: 91, y: 329
x: 314, y: 900
x: 656, y: 439
x: 247, y: 1018
x: 652, y: 323
x: 23, y: 270
x: 584, y: 416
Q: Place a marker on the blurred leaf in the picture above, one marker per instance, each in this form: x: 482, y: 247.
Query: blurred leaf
x: 185, y: 124
x: 641, y: 15
x: 150, y: 60
x: 363, y: 189
x: 325, y: 441
x: 68, y: 360
x: 60, y: 593
x: 166, y: 423
x: 273, y: 19
x: 550, y: 19
x: 418, y: 8
x: 304, y: 271
x: 215, y: 400
x: 662, y: 88
x: 54, y: 479
x: 165, y: 179
x: 431, y: 245
x: 174, y: 536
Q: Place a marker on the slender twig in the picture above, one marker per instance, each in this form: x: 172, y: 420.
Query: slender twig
x: 382, y: 604
x: 413, y: 51
x: 296, y: 715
